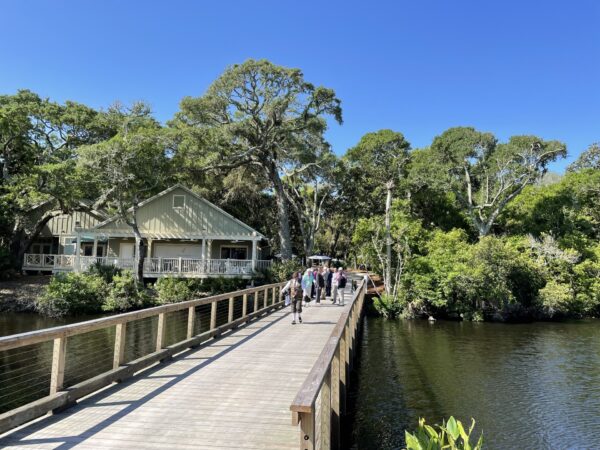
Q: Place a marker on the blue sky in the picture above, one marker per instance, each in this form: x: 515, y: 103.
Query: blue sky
x: 419, y: 67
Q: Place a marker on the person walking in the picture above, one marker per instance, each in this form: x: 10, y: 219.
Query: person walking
x: 322, y: 281
x: 293, y: 290
x: 328, y: 280
x: 307, y: 286
x: 338, y: 285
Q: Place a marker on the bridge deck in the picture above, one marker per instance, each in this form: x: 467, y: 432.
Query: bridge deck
x: 234, y: 393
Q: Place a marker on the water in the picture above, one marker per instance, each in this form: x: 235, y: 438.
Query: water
x: 528, y: 386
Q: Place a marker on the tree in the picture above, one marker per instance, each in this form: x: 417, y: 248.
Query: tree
x: 129, y: 167
x: 308, y: 192
x: 38, y: 139
x: 261, y: 115
x: 381, y: 157
x: 485, y: 175
x: 589, y: 159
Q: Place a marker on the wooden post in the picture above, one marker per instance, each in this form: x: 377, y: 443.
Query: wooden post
x: 274, y: 295
x: 213, y: 316
x: 335, y: 400
x: 160, y: 334
x: 191, y: 321
x: 307, y: 430
x: 230, y: 315
x: 58, y: 365
x: 343, y: 371
x: 326, y: 411
x: 119, y: 354
x: 266, y: 297
x: 255, y: 301
x: 244, y: 305
x: 179, y: 265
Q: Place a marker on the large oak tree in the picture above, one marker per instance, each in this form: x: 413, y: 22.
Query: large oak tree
x: 259, y: 115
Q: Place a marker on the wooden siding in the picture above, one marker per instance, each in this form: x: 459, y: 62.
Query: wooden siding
x: 65, y: 224
x: 197, y: 217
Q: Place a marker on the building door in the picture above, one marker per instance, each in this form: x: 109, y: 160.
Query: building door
x: 126, y: 250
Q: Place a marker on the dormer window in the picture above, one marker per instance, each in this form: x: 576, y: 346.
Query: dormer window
x: 178, y: 201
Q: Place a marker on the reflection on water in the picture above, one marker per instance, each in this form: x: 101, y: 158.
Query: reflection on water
x: 529, y: 386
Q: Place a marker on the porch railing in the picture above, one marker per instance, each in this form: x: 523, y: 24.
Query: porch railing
x: 152, y: 266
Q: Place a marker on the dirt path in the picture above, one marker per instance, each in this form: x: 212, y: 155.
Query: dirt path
x: 20, y: 294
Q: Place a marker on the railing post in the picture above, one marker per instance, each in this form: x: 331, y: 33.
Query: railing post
x: 273, y: 295
x: 58, y: 365
x: 307, y: 430
x: 266, y: 297
x: 160, y: 334
x: 213, y: 316
x: 230, y: 312
x: 255, y: 301
x: 119, y: 353
x: 191, y: 321
x: 244, y: 305
x: 335, y: 400
x: 179, y: 265
x: 326, y: 411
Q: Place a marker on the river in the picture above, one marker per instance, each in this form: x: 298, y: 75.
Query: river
x: 528, y: 386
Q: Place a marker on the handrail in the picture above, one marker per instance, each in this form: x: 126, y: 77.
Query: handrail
x: 61, y: 396
x: 46, y: 334
x: 329, y: 377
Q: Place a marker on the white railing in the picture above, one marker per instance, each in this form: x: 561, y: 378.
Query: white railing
x: 152, y: 266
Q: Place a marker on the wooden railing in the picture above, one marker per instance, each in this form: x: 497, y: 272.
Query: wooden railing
x: 227, y: 311
x: 152, y: 266
x: 321, y: 401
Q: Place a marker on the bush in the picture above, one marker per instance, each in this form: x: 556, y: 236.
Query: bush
x: 283, y: 270
x: 125, y: 294
x: 173, y: 290
x: 72, y: 293
x: 450, y: 435
x: 107, y: 272
x: 220, y: 285
x: 388, y: 306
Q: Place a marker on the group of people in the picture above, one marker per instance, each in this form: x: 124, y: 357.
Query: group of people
x: 316, y: 283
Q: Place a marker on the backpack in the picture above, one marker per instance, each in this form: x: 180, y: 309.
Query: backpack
x: 342, y: 282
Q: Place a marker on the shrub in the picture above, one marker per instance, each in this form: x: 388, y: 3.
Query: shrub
x: 219, y: 285
x: 450, y: 435
x: 107, y: 272
x: 283, y: 270
x: 125, y: 294
x: 173, y: 290
x: 388, y: 306
x: 7, y: 269
x: 72, y: 293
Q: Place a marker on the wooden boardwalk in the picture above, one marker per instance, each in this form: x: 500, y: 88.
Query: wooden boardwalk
x: 233, y: 393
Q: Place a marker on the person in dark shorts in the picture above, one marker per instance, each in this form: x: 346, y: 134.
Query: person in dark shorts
x: 293, y: 288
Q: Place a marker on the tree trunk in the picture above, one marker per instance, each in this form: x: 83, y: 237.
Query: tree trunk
x: 387, y: 276
x: 283, y: 214
x: 21, y: 241
x: 139, y: 254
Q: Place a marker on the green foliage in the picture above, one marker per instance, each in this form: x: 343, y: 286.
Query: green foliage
x: 388, y: 306
x: 173, y: 290
x: 283, y: 270
x: 450, y: 435
x: 218, y: 285
x: 106, y: 272
x: 126, y: 294
x: 73, y: 293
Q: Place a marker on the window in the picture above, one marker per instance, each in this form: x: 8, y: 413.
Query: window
x: 234, y: 252
x: 178, y: 201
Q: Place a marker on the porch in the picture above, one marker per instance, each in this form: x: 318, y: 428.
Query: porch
x: 153, y: 267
